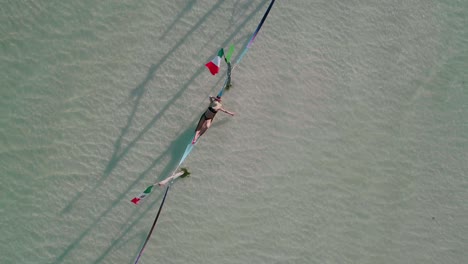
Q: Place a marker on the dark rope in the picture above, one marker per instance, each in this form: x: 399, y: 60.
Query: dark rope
x: 152, y: 227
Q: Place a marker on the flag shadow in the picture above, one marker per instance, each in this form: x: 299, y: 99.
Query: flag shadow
x: 184, y: 140
x: 175, y: 150
x: 137, y: 93
x: 177, y: 147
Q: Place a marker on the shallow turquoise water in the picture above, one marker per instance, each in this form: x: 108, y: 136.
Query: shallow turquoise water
x: 349, y: 143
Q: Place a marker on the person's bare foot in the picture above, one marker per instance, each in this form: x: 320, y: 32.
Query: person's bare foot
x: 195, y: 138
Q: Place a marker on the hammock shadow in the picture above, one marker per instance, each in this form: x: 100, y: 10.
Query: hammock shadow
x: 118, y: 154
x: 137, y: 93
x: 175, y: 150
x: 184, y: 139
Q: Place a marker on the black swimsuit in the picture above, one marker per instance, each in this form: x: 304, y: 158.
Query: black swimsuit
x: 211, y: 110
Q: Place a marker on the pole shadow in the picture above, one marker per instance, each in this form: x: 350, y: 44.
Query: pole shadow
x: 137, y: 93
x: 177, y: 147
x: 187, y: 8
x: 175, y: 150
x: 118, y: 155
x: 184, y: 140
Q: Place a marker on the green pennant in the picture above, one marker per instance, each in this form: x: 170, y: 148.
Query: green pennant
x: 229, y: 53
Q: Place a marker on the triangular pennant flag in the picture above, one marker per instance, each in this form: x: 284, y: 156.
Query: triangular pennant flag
x: 142, y: 195
x: 229, y: 53
x: 214, y: 64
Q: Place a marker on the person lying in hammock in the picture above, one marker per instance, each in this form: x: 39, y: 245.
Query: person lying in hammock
x: 207, y: 118
x: 183, y: 172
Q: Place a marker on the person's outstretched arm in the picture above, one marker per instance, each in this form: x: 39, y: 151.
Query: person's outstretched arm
x: 226, y: 111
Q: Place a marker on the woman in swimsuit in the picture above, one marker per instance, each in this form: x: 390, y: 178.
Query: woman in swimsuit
x: 207, y: 118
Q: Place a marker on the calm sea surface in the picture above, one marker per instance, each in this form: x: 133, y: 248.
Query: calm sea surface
x: 349, y: 143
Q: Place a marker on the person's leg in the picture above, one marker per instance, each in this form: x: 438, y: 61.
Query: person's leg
x: 200, y: 122
x: 195, y: 138
x: 205, y: 126
x: 208, y: 123
x: 172, y: 177
x: 200, y: 126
